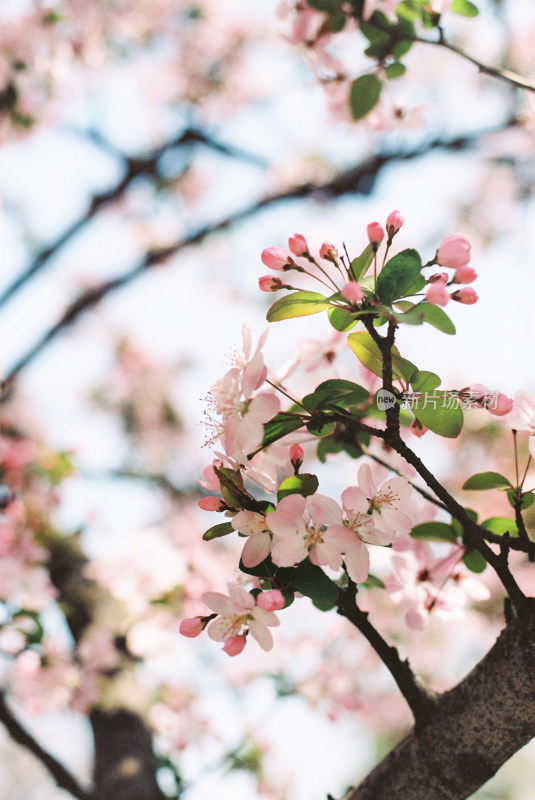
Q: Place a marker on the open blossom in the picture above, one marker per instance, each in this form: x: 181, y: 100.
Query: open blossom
x: 255, y: 526
x: 522, y: 416
x: 453, y: 251
x: 238, y: 614
x: 298, y: 525
x: 386, y: 503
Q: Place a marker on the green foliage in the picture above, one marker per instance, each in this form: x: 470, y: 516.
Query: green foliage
x: 398, y: 275
x: 361, y: 264
x: 306, y: 578
x: 438, y: 414
x: 325, y: 5
x: 334, y: 393
x: 364, y: 95
x: 485, y: 480
x: 434, y: 532
x: 526, y: 499
x: 216, y: 531
x: 304, y: 485
x: 395, y: 70
x: 297, y: 304
x: 341, y: 319
x: 474, y: 561
x: 368, y: 353
x: 464, y: 8
x: 500, y: 526
x: 417, y: 313
x: 279, y: 426
x: 424, y: 381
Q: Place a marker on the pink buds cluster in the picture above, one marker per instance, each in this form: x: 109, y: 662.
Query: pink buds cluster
x: 453, y: 252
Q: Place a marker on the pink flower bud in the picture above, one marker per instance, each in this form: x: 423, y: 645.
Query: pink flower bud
x: 296, y: 455
x: 271, y: 601
x: 500, y: 405
x: 353, y: 292
x: 465, y: 275
x: 275, y: 258
x: 438, y: 277
x: 329, y: 252
x: 268, y: 283
x: 212, y: 504
x: 297, y: 245
x: 418, y: 428
x: 376, y: 233
x: 234, y: 645
x: 453, y: 251
x: 394, y: 221
x: 191, y: 627
x: 466, y: 295
x: 437, y: 294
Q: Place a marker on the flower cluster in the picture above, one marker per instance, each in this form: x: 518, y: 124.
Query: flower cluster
x: 454, y: 253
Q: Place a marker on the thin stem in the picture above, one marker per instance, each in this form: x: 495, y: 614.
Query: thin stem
x: 525, y: 472
x: 279, y: 388
x: 516, y: 458
x: 420, y: 702
x: 63, y: 778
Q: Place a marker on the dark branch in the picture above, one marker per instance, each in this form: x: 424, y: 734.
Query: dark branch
x: 63, y: 778
x: 421, y: 703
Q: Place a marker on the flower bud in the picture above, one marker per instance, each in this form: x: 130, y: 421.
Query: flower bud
x: 353, y: 292
x: 192, y: 627
x: 212, y: 504
x: 500, y: 405
x: 296, y: 456
x: 297, y: 245
x: 234, y: 645
x: 466, y: 295
x: 376, y: 233
x: 329, y: 252
x: 464, y: 275
x: 418, y: 428
x: 453, y: 251
x: 438, y: 277
x: 275, y: 258
x: 272, y: 600
x: 269, y: 283
x: 394, y: 221
x: 437, y: 294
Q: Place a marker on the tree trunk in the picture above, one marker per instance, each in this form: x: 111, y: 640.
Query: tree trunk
x: 475, y: 728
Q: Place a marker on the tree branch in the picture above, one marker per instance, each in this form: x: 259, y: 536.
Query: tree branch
x: 63, y: 778
x: 421, y: 702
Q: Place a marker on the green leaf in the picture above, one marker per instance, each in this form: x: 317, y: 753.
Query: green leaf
x: 398, y: 275
x: 372, y: 582
x: 411, y: 317
x: 280, y: 426
x: 446, y: 420
x: 341, y: 319
x: 528, y: 498
x: 401, y: 48
x: 464, y: 8
x: 297, y: 304
x: 361, y: 264
x: 311, y: 581
x: 474, y: 561
x: 320, y: 428
x: 216, y: 531
x: 434, y: 532
x: 424, y: 381
x: 336, y: 391
x: 304, y: 485
x: 500, y: 525
x: 436, y: 317
x: 337, y: 22
x: 368, y: 353
x: 364, y: 95
x: 485, y: 480
x: 395, y: 70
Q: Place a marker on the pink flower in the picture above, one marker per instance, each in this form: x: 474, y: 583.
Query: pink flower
x: 385, y: 504
x: 192, y: 627
x: 453, y: 251
x: 268, y: 283
x: 272, y: 600
x: 353, y: 292
x: 522, y: 417
x: 276, y: 258
x: 376, y: 233
x: 297, y: 245
x: 298, y: 529
x: 500, y: 405
x: 437, y: 294
x: 464, y: 275
x: 212, y: 504
x: 238, y: 614
x: 329, y: 252
x: 394, y: 221
x: 258, y: 545
x: 467, y: 295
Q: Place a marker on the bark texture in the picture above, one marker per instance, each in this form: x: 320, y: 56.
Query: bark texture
x: 473, y: 730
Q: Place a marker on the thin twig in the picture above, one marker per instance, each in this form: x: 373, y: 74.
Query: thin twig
x: 63, y: 778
